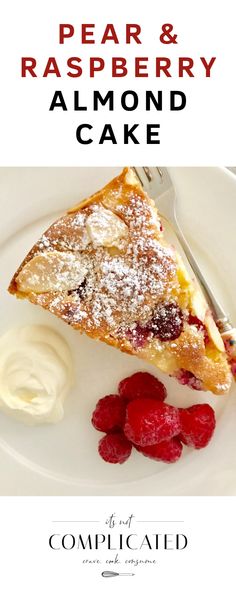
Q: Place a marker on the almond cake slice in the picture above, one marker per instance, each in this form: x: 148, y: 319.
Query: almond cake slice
x: 106, y: 270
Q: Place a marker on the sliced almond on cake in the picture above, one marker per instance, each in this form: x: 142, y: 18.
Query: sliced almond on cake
x: 52, y: 271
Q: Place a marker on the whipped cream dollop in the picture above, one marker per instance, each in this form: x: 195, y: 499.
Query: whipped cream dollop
x: 36, y: 373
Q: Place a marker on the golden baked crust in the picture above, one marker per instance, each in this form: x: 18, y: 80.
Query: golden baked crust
x: 105, y: 269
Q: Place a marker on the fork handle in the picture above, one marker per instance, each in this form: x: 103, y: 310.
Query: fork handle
x: 227, y: 331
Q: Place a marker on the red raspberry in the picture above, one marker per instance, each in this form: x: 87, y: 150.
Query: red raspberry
x: 187, y: 378
x: 138, y: 336
x: 167, y: 321
x: 109, y: 414
x: 197, y: 425
x: 114, y: 448
x: 149, y: 422
x: 142, y: 384
x: 168, y: 451
x: 193, y: 320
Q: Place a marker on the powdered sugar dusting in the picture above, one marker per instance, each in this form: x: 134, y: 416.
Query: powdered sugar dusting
x: 121, y: 288
x: 129, y: 291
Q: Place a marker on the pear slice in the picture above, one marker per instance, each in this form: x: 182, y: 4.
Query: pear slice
x: 52, y: 271
x: 199, y: 305
x: 213, y: 332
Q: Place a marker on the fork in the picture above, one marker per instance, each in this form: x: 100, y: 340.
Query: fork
x: 158, y: 184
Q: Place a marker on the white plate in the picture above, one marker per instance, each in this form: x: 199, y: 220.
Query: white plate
x: 62, y: 459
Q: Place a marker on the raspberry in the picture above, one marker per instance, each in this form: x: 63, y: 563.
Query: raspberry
x: 193, y: 320
x: 197, y: 425
x: 187, y: 378
x: 168, y: 451
x: 149, y: 422
x: 138, y: 336
x: 109, y: 414
x: 167, y: 321
x: 141, y: 384
x: 114, y: 448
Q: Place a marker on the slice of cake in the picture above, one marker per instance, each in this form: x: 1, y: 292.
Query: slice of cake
x: 106, y: 270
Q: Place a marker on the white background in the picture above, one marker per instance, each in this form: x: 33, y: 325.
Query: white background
x: 208, y: 561
x: 202, y: 134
